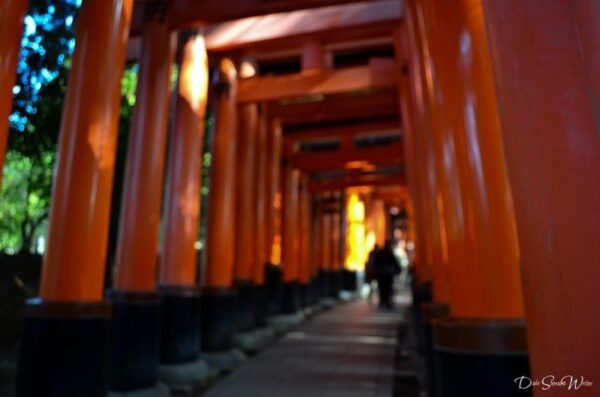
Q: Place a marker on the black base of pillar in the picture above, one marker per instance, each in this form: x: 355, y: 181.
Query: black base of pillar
x: 335, y: 283
x: 218, y: 319
x: 273, y: 287
x: 259, y: 303
x: 244, y: 306
x: 291, y: 297
x: 135, y: 339
x: 65, y: 350
x: 304, y: 295
x: 480, y: 357
x: 422, y: 294
x: 180, y: 325
x: 349, y: 280
x: 314, y: 290
x: 323, y: 284
x: 430, y: 313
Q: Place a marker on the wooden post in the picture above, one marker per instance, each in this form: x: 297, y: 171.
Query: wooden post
x: 245, y: 218
x: 219, y: 297
x: 178, y: 275
x: 457, y: 80
x: 135, y: 354
x: 70, y: 317
x: 262, y: 253
x: 304, y: 271
x: 290, y: 240
x: 545, y: 59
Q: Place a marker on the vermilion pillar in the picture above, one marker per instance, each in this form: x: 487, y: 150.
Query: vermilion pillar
x: 272, y: 183
x: 262, y: 253
x: 245, y: 218
x: 429, y: 181
x: 545, y: 56
x: 272, y: 224
x: 304, y: 271
x: 135, y: 355
x: 336, y: 257
x: 182, y: 207
x: 315, y: 246
x: 178, y: 276
x: 70, y: 318
x: 140, y: 214
x: 326, y: 254
x: 12, y: 13
x: 290, y: 239
x: 411, y: 122
x: 456, y: 64
x: 219, y: 296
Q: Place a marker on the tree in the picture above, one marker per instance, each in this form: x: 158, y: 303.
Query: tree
x: 46, y: 48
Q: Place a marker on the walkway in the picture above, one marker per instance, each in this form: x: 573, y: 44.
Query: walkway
x: 346, y: 352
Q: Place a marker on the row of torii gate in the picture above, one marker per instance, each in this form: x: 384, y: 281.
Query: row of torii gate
x: 499, y: 108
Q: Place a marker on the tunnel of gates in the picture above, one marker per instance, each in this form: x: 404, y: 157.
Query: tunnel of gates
x: 487, y: 111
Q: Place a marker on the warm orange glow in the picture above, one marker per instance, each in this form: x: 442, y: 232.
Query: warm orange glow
x: 358, y: 243
x: 276, y: 247
x: 276, y: 250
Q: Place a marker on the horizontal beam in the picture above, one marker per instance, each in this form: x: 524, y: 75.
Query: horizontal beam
x: 342, y: 129
x: 282, y: 30
x: 335, y: 108
x: 355, y: 181
x: 380, y: 73
x: 344, y: 133
x: 187, y: 13
x: 393, y: 195
x: 349, y: 158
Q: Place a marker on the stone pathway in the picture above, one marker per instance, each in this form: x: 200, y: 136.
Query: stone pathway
x: 348, y: 351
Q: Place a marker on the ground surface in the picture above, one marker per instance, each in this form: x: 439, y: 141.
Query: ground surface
x: 345, y: 352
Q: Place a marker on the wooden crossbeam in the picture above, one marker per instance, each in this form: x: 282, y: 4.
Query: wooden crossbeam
x: 349, y: 158
x: 380, y: 73
x: 343, y: 129
x: 185, y: 13
x: 345, y: 133
x: 352, y: 180
x: 284, y: 30
x: 333, y: 108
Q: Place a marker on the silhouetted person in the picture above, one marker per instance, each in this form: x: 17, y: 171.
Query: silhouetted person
x: 371, y: 271
x: 387, y: 267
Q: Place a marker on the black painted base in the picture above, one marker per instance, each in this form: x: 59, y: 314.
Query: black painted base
x: 304, y: 295
x: 422, y: 294
x: 180, y: 325
x: 324, y: 287
x: 244, y: 306
x: 431, y: 312
x: 314, y: 290
x: 349, y: 282
x: 135, y: 339
x: 291, y: 297
x: 218, y: 319
x: 64, y: 350
x: 259, y: 304
x: 273, y: 286
x: 335, y: 283
x: 478, y: 358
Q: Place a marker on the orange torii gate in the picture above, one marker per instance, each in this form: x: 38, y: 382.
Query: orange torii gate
x: 498, y: 102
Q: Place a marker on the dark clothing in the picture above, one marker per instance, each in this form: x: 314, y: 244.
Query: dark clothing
x: 370, y: 268
x: 384, y: 285
x: 386, y: 267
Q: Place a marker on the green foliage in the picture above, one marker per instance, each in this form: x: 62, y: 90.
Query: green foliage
x: 25, y: 199
x: 35, y: 123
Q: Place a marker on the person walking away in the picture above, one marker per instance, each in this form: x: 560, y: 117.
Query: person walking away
x: 387, y: 267
x: 371, y: 272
